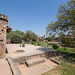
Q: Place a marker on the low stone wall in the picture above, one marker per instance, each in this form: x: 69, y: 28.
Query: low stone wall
x: 52, y: 43
x: 55, y: 61
x: 15, y: 70
x: 21, y: 60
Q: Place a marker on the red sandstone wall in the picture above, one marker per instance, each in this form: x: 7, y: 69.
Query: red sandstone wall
x: 3, y: 27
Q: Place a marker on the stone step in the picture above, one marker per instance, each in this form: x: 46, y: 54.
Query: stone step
x: 34, y: 61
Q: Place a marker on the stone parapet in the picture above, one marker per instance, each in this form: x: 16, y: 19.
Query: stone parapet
x: 3, y: 17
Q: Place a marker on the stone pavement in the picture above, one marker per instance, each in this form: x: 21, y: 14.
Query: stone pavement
x: 4, y: 67
x: 28, y: 50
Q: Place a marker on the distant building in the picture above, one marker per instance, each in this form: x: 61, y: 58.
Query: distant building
x: 42, y: 39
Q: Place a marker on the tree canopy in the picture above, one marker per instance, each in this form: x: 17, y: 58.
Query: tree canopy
x: 29, y: 35
x: 17, y: 36
x: 16, y: 39
x: 65, y: 19
x: 17, y: 32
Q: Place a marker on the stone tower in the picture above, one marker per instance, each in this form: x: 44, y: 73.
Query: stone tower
x: 3, y: 28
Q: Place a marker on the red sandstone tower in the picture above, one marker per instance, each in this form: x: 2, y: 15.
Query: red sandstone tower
x: 3, y: 29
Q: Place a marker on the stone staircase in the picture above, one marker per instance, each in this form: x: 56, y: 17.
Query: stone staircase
x: 34, y: 61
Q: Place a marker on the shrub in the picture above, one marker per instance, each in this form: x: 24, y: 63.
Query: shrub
x: 65, y: 48
x: 16, y: 39
x: 38, y: 43
x: 55, y: 47
x: 33, y: 43
x: 69, y: 58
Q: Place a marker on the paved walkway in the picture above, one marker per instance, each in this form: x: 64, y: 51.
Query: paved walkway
x: 29, y: 50
x: 4, y: 67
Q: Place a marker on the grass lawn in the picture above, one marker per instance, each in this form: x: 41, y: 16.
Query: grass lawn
x: 67, y: 66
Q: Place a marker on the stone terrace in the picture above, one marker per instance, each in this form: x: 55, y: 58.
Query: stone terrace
x: 28, y: 50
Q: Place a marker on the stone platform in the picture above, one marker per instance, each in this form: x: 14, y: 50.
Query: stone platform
x: 29, y: 50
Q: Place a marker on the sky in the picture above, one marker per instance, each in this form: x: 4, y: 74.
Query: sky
x: 32, y: 15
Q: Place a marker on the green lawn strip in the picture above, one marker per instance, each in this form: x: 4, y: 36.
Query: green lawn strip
x: 62, y: 50
x: 43, y: 44
x: 65, y: 50
x: 65, y: 67
x: 62, y: 69
x: 55, y: 71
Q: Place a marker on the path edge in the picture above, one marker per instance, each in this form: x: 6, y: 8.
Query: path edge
x: 15, y: 70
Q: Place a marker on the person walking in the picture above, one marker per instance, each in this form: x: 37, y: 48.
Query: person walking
x: 23, y: 45
x: 35, y: 44
x: 47, y: 44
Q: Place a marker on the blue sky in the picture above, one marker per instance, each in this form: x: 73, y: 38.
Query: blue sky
x: 32, y: 15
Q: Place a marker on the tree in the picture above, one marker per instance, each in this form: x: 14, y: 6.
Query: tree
x: 10, y: 35
x: 59, y: 38
x: 17, y: 32
x: 20, y: 33
x: 48, y: 38
x: 29, y: 35
x: 65, y: 19
x: 16, y: 39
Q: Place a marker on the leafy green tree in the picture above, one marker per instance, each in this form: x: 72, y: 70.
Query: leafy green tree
x: 10, y: 35
x: 20, y: 33
x: 16, y: 39
x: 48, y: 38
x: 17, y: 32
x: 65, y: 19
x: 29, y: 35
